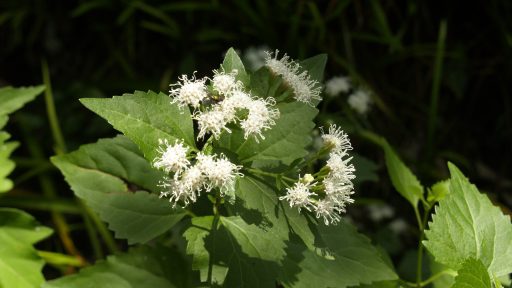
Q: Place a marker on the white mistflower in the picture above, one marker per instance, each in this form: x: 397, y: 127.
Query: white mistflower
x: 222, y: 174
x: 177, y: 192
x: 304, y: 88
x: 339, y: 166
x: 189, y: 91
x: 236, y: 101
x: 299, y: 196
x: 336, y: 139
x: 360, y: 101
x: 225, y: 83
x: 255, y: 57
x: 212, y: 121
x: 337, y: 85
x: 261, y: 117
x: 377, y: 212
x: 173, y: 158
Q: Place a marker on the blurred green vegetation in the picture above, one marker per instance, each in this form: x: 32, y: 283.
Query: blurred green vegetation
x: 440, y: 72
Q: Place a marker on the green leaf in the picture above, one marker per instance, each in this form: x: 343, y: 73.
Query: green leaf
x: 285, y: 142
x: 108, y: 176
x: 145, y: 117
x: 315, y: 66
x: 467, y: 225
x: 20, y: 266
x: 349, y: 260
x: 232, y: 62
x: 195, y: 236
x: 438, y: 191
x: 12, y: 99
x: 139, y: 268
x: 260, y: 205
x: 6, y: 165
x: 255, y: 241
x: 472, y: 274
x: 402, y: 178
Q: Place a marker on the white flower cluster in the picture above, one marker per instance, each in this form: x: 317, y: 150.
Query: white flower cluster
x: 360, y: 101
x: 337, y: 85
x: 328, y: 196
x: 304, y: 88
x: 229, y: 100
x: 208, y: 172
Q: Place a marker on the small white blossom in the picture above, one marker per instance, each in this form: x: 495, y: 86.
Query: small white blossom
x: 380, y: 211
x: 255, y: 57
x: 339, y: 166
x: 360, y: 101
x: 212, y: 121
x: 304, y: 88
x: 173, y: 158
x: 236, y: 101
x: 219, y: 172
x: 336, y: 139
x: 225, y: 83
x: 327, y: 209
x: 299, y: 196
x: 189, y: 91
x: 337, y: 85
x: 260, y: 118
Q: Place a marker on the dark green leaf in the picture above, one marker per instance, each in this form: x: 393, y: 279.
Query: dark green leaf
x: 108, y: 176
x: 349, y: 260
x: 232, y: 62
x: 145, y: 117
x: 139, y: 268
x: 12, y: 99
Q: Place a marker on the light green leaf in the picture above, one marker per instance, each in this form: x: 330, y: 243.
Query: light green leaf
x: 108, y: 176
x: 351, y: 260
x: 255, y: 241
x: 438, y: 191
x: 467, y: 225
x: 139, y: 268
x: 20, y: 266
x: 404, y: 181
x: 285, y: 142
x: 472, y: 274
x: 145, y: 117
x: 6, y: 165
x: 232, y: 62
x: 12, y: 99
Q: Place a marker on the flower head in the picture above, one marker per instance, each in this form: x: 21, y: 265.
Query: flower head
x: 327, y: 209
x: 336, y: 139
x: 299, y: 196
x: 221, y: 173
x: 173, y: 158
x: 225, y: 83
x: 304, y: 88
x: 337, y: 85
x: 260, y: 118
x: 212, y: 121
x: 360, y: 101
x: 189, y: 91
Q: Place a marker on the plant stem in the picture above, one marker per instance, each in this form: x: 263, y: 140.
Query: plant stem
x: 434, y: 97
x: 102, y: 229
x: 40, y: 203
x: 419, y: 263
x: 274, y: 175
x: 60, y: 259
x: 215, y: 222
x: 51, y: 111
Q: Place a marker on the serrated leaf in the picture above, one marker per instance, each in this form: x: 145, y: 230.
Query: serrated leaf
x: 276, y: 217
x: 315, y: 66
x: 108, y: 176
x: 351, y: 260
x: 255, y: 241
x: 20, y: 266
x: 139, y: 268
x: 145, y: 117
x: 467, y: 225
x: 404, y: 181
x: 6, y: 165
x: 472, y: 274
x: 12, y: 99
x: 195, y: 235
x: 233, y: 62
x: 285, y: 142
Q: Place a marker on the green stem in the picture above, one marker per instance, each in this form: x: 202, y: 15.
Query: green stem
x: 51, y: 111
x: 434, y: 97
x: 419, y: 262
x: 435, y: 277
x: 274, y: 175
x: 102, y: 229
x: 40, y: 203
x: 215, y: 222
x: 61, y: 259
x: 93, y: 239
